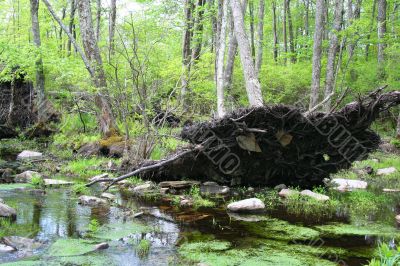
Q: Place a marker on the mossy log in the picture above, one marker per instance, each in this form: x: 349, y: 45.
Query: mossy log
x: 271, y: 145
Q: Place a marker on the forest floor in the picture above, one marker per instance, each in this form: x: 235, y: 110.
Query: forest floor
x: 186, y: 223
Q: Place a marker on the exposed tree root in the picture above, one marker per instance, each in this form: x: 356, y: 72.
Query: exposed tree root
x: 270, y: 145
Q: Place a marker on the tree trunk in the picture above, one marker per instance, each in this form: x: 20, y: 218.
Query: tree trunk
x: 71, y: 25
x: 63, y: 14
x: 306, y: 19
x: 220, y: 61
x: 291, y: 37
x: 275, y: 31
x: 285, y: 45
x: 381, y: 35
x: 260, y: 35
x: 186, y: 53
x: 111, y: 28
x: 198, y: 30
x: 371, y: 27
x: 232, y: 50
x: 40, y: 102
x: 92, y: 52
x: 98, y: 20
x: 354, y: 13
x: 333, y: 49
x: 253, y: 87
x: 317, y: 52
x: 398, y: 128
x: 251, y: 13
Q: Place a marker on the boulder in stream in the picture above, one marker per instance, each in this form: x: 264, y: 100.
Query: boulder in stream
x: 6, y: 175
x: 26, y: 177
x: 316, y: 196
x: 56, y: 183
x: 6, y: 249
x: 101, y: 246
x: 7, y: 211
x: 342, y: 184
x: 29, y: 155
x: 386, y: 171
x: 247, y: 205
x: 21, y: 243
x: 287, y: 192
x: 92, y: 201
x: 108, y: 196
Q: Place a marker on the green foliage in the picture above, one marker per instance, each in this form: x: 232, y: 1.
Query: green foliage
x: 386, y: 256
x: 143, y: 248
x: 80, y: 189
x: 83, y: 167
x: 10, y: 228
x: 37, y: 181
x: 198, y: 200
x: 93, y: 226
x: 396, y: 143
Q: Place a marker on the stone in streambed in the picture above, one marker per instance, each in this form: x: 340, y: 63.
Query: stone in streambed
x: 342, y: 184
x: 56, y: 183
x: 386, y: 171
x: 26, y: 177
x: 316, y: 196
x: 108, y: 196
x: 29, y: 155
x: 101, y: 246
x: 286, y: 193
x: 178, y: 184
x: 7, y: 211
x: 6, y: 249
x: 91, y: 201
x: 247, y: 205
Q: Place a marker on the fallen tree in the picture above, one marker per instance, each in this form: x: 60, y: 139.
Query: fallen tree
x: 270, y: 145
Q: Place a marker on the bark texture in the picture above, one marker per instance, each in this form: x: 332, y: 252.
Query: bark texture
x: 382, y: 5
x: 253, y: 87
x: 317, y: 53
x: 333, y: 49
x: 260, y: 35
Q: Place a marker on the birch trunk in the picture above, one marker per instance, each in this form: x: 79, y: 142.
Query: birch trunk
x: 232, y: 50
x: 220, y: 61
x: 253, y: 87
x: 111, y: 28
x: 40, y: 101
x: 333, y: 49
x: 371, y: 27
x: 275, y: 31
x: 198, y: 30
x: 260, y: 35
x: 98, y: 20
x: 252, y: 43
x: 186, y: 53
x: 381, y: 34
x: 291, y: 36
x: 317, y: 52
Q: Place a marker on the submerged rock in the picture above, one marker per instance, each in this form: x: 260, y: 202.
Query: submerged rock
x: 386, y: 171
x: 214, y: 189
x: 317, y: 196
x: 247, y: 217
x: 252, y: 204
x: 178, y: 184
x: 92, y: 201
x: 29, y: 155
x: 6, y: 249
x: 108, y: 196
x: 26, y: 177
x: 101, y: 246
x: 21, y: 243
x: 342, y: 184
x: 56, y: 183
x: 7, y: 211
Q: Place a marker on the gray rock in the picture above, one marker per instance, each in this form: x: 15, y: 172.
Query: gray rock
x: 143, y: 187
x: 214, y: 190
x: 178, y: 184
x: 1, y: 200
x: 342, y: 184
x: 398, y: 218
x: 6, y: 249
x: 210, y: 183
x: 391, y: 190
x: 21, y: 243
x: 92, y: 201
x: 186, y: 203
x: 7, y: 211
x: 317, y: 196
x: 101, y: 246
x: 386, y: 171
x: 246, y: 205
x: 26, y: 177
x: 98, y: 177
x: 247, y: 217
x: 286, y: 193
x: 164, y: 190
x: 280, y: 187
x: 29, y: 155
x: 108, y: 196
x: 56, y: 183
x: 6, y: 175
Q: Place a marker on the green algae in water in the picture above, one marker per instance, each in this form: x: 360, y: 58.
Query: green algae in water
x: 70, y: 247
x: 15, y: 186
x: 338, y: 229
x: 221, y: 253
x: 280, y: 230
x: 119, y: 230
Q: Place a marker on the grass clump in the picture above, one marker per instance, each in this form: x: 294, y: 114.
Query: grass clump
x: 386, y: 256
x: 83, y: 167
x: 198, y: 200
x: 143, y: 248
x: 80, y: 189
x: 37, y: 181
